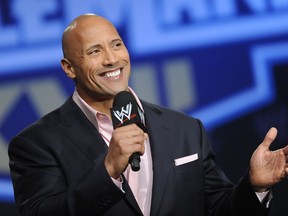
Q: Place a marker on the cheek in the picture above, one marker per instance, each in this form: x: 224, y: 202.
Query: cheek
x: 125, y: 56
x: 128, y: 71
x: 89, y: 69
x: 84, y: 75
x: 126, y: 60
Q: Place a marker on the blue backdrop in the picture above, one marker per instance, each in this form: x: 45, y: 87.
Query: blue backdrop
x: 223, y: 61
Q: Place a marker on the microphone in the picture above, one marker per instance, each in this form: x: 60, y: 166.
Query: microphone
x: 126, y: 111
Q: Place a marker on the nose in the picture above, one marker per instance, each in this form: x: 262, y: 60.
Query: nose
x: 110, y: 57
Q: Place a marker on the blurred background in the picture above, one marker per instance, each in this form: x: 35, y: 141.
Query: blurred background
x: 223, y: 61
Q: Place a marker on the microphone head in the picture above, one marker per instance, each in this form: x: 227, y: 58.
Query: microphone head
x: 123, y: 98
x: 126, y: 111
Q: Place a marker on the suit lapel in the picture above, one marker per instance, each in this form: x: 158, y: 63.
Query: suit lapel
x: 81, y: 131
x: 161, y: 154
x: 129, y: 197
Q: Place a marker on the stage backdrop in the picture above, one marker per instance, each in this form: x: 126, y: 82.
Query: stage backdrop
x: 223, y: 61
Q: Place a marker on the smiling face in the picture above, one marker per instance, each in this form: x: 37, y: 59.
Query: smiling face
x: 96, y: 57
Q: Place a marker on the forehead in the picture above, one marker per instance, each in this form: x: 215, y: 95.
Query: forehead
x: 92, y: 29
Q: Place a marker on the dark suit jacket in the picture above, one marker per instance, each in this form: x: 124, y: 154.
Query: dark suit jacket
x: 57, y: 168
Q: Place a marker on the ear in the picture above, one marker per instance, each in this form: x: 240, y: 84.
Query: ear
x: 68, y: 68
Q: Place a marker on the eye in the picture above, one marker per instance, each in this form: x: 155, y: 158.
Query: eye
x: 94, y: 51
x: 117, y: 44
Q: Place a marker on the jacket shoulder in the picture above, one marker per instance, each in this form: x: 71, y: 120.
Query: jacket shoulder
x: 50, y: 121
x: 167, y: 112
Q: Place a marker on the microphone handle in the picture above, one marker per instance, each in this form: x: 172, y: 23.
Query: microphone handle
x: 134, y: 161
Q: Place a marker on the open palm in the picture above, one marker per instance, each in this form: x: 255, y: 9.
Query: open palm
x: 268, y: 167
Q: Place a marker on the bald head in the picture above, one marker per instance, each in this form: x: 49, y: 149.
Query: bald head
x: 77, y: 28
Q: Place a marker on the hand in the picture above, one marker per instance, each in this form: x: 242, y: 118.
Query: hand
x: 268, y: 167
x: 125, y: 141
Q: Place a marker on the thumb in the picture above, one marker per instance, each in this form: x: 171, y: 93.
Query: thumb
x: 269, y: 138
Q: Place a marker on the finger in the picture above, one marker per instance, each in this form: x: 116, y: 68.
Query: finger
x: 127, y: 128
x: 133, y: 142
x: 146, y: 136
x: 270, y: 137
x: 128, y: 131
x: 285, y: 149
x: 286, y: 172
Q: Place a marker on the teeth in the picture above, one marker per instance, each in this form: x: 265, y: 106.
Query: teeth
x: 112, y: 74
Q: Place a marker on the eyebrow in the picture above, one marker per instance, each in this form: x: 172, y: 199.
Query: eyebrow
x: 93, y: 47
x: 98, y: 45
x: 117, y: 40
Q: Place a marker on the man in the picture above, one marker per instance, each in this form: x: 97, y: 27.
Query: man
x: 72, y: 162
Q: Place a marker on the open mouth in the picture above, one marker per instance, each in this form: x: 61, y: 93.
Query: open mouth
x: 111, y: 74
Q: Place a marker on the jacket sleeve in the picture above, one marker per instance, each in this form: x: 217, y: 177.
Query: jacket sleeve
x: 41, y: 187
x: 222, y: 196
